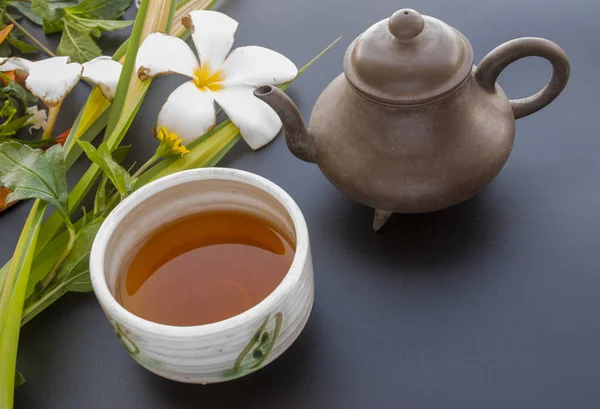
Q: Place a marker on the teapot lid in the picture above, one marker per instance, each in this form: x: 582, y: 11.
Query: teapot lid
x: 408, y: 59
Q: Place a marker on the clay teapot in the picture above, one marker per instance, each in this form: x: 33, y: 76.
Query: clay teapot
x: 411, y: 125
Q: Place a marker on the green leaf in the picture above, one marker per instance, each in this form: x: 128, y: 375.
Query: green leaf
x: 79, y: 281
x: 45, y: 259
x: 121, y: 153
x: 100, y: 197
x: 12, y: 294
x: 21, y: 45
x: 25, y: 9
x: 53, y: 26
x: 78, y: 45
x: 100, y: 9
x: 11, y: 127
x: 32, y: 173
x: 103, y: 158
x: 47, y: 10
x: 19, y: 379
x: 96, y: 27
x: 15, y: 90
x: 78, y: 259
x: 92, y: 118
x: 73, y: 274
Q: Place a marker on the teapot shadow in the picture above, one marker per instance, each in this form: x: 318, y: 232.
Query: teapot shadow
x: 416, y: 242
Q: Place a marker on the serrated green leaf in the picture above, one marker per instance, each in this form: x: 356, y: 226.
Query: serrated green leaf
x: 96, y: 27
x: 80, y: 46
x: 25, y: 9
x: 47, y: 10
x: 31, y: 173
x: 21, y: 45
x: 100, y: 9
x: 102, y: 157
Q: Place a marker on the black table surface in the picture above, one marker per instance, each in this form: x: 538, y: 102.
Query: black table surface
x: 491, y: 304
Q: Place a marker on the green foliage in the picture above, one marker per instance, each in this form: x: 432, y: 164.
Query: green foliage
x: 15, y: 36
x: 100, y: 9
x: 118, y: 175
x: 25, y: 9
x: 32, y: 173
x: 73, y: 275
x: 19, y: 379
x: 79, y: 45
x: 21, y: 45
x: 81, y: 23
x: 13, y: 114
x: 14, y: 100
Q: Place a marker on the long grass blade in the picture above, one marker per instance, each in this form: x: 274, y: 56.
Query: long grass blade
x: 11, y: 301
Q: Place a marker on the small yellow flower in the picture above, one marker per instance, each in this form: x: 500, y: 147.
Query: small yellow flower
x: 170, y: 143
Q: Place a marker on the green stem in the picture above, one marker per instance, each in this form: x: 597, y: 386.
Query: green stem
x: 31, y: 310
x: 146, y: 165
x: 112, y: 202
x: 52, y: 273
x: 52, y: 115
x: 26, y: 317
x: 30, y: 36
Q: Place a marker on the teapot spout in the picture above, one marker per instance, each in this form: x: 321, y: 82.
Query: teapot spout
x: 299, y: 141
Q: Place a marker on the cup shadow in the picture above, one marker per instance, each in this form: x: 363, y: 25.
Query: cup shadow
x: 283, y: 377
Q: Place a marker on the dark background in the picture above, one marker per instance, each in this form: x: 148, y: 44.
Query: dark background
x: 491, y: 304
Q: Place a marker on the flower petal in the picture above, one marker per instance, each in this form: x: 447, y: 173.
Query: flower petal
x: 52, y: 79
x: 162, y: 54
x: 104, y: 72
x: 258, y: 66
x: 188, y: 112
x: 14, y: 63
x: 212, y: 33
x: 37, y: 119
x: 257, y: 121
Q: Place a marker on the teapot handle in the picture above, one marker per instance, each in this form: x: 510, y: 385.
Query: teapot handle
x: 499, y: 58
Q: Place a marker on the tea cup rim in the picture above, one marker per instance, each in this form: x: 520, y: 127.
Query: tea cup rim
x: 103, y: 237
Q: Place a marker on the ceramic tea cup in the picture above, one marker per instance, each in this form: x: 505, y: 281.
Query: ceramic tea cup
x: 222, y: 350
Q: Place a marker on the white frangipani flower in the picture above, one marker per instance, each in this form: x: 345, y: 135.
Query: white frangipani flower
x: 105, y: 73
x: 217, y: 75
x: 37, y: 119
x: 52, y: 79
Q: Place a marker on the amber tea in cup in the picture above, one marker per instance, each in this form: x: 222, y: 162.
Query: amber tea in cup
x: 204, y: 268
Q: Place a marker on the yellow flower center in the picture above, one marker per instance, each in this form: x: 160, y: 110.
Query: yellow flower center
x: 206, y: 80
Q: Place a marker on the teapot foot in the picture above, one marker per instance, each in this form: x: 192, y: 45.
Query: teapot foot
x: 381, y: 217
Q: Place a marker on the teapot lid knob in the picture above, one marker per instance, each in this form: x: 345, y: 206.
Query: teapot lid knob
x: 406, y: 24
